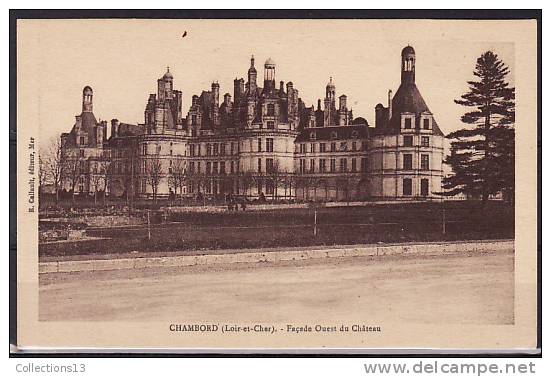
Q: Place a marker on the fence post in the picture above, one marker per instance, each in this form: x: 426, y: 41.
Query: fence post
x: 443, y: 220
x: 315, y: 222
x: 148, y: 226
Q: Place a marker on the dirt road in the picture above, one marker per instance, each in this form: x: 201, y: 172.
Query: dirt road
x: 470, y: 288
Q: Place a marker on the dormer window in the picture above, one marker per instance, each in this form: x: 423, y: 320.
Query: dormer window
x: 270, y: 109
x: 354, y: 134
x: 312, y: 135
x: 407, y: 123
x: 81, y: 141
x: 426, y: 123
x: 334, y: 135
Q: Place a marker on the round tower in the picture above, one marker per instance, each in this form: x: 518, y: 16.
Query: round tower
x: 87, y: 97
x: 408, y: 65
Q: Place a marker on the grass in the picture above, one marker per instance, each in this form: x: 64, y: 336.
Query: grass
x: 294, y: 227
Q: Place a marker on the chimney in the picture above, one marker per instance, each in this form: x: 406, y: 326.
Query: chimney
x: 389, y: 104
x: 281, y: 87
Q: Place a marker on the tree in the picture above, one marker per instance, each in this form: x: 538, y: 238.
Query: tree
x: 154, y: 174
x: 178, y: 176
x: 278, y: 175
x: 98, y: 177
x: 247, y: 181
x: 482, y: 155
x: 71, y: 173
x: 51, y: 165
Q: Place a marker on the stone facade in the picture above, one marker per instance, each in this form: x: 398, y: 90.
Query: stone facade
x: 262, y: 142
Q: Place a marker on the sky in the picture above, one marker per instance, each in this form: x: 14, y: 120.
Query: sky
x: 122, y: 60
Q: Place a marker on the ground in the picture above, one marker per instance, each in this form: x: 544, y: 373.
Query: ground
x: 294, y: 227
x: 458, y: 288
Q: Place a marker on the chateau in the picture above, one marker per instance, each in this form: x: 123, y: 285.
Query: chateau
x: 262, y: 141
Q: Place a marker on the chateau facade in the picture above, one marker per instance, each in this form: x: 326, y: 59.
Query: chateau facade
x: 262, y: 141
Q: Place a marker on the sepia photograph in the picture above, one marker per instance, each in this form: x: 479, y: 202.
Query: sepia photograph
x: 277, y: 184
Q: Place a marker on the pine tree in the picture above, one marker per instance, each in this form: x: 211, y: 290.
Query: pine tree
x: 483, y: 155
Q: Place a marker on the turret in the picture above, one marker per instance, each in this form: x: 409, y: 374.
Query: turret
x: 408, y: 65
x: 87, y: 99
x: 251, y: 75
x: 269, y: 74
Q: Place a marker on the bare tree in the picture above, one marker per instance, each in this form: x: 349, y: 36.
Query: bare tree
x: 98, y: 177
x: 278, y: 175
x: 51, y: 165
x: 154, y: 175
x: 247, y: 181
x: 71, y: 173
x: 178, y: 176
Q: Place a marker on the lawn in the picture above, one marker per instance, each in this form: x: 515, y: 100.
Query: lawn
x: 295, y: 227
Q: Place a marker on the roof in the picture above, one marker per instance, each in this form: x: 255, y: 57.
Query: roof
x: 407, y: 99
x: 408, y: 50
x: 326, y: 133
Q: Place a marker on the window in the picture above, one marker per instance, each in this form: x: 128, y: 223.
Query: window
x: 425, y: 141
x: 333, y: 147
x: 424, y: 187
x: 269, y: 165
x: 302, y: 148
x: 426, y: 123
x: 199, y: 150
x: 322, y: 147
x: 407, y: 162
x: 364, y: 146
x: 302, y: 166
x: 209, y: 150
x: 192, y: 167
x: 191, y: 150
x: 355, y: 134
x: 354, y: 165
x: 312, y: 166
x: 269, y: 145
x: 270, y: 109
x: 259, y: 145
x: 232, y: 148
x: 354, y: 147
x: 333, y: 165
x: 215, y: 167
x: 407, y: 123
x: 81, y: 152
x: 232, y: 167
x: 215, y: 149
x: 222, y: 149
x: 312, y: 148
x: 363, y: 165
x: 312, y: 135
x: 344, y: 146
x: 199, y: 167
x: 158, y: 148
x: 208, y: 167
x: 334, y: 135
x: 406, y: 189
x: 194, y: 120
x: 270, y: 124
x: 408, y: 141
x: 260, y: 165
x: 322, y: 165
x: 424, y: 162
x: 82, y: 142
x: 344, y: 165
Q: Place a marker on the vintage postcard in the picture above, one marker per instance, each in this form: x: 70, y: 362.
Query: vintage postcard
x: 277, y: 185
